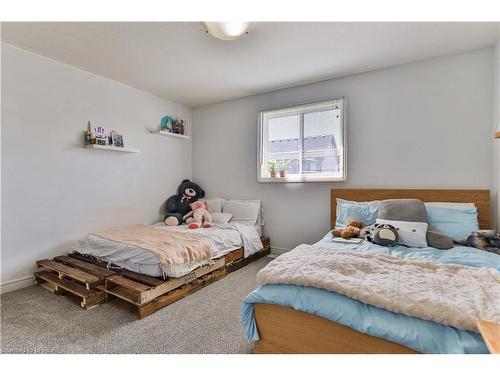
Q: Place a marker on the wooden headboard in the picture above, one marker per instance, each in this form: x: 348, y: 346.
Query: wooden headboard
x: 481, y: 198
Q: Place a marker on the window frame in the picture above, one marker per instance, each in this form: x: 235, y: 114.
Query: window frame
x: 301, y: 109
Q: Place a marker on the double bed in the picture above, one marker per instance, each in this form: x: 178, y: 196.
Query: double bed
x: 286, y: 318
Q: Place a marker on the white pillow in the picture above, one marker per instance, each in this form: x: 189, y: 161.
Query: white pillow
x: 244, y: 211
x: 260, y: 219
x: 215, y: 204
x: 411, y: 233
x: 221, y: 218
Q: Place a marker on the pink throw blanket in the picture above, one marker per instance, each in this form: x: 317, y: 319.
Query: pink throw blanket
x: 177, y: 252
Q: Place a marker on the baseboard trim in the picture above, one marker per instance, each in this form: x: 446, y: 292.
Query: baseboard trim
x: 21, y: 283
x: 277, y: 251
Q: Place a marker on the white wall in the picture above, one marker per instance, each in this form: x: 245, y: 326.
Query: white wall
x: 54, y: 191
x: 427, y: 123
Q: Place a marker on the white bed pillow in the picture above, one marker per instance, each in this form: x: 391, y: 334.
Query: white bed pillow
x: 221, y: 217
x: 260, y: 219
x: 411, y: 233
x: 215, y: 204
x: 244, y: 211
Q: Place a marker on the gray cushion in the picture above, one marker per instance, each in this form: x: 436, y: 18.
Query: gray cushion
x: 413, y: 210
x: 438, y: 239
x: 403, y: 210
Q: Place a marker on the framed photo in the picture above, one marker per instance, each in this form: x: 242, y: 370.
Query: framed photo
x: 117, y: 140
x: 101, y: 141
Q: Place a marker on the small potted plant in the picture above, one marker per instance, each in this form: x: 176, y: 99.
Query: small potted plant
x: 283, y: 165
x: 272, y: 168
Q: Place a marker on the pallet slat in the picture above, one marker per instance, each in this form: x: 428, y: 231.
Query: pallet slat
x: 144, y: 279
x: 98, y: 271
x: 266, y: 242
x: 244, y: 261
x: 122, y: 293
x: 179, y: 293
x: 127, y: 283
x: 174, y: 283
x: 51, y: 287
x: 70, y: 272
x: 93, y: 301
x: 234, y: 255
x: 87, y: 298
x: 65, y: 284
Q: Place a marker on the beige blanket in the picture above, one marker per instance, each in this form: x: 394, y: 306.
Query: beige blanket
x: 177, y: 252
x: 453, y: 295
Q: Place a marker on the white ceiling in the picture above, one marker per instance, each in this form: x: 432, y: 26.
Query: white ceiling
x: 178, y: 61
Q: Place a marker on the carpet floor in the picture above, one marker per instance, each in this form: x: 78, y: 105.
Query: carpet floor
x: 35, y: 321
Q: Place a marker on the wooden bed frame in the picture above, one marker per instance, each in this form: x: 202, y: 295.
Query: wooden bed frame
x: 285, y: 330
x: 91, y: 282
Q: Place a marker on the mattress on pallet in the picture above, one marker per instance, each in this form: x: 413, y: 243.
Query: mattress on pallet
x: 224, y: 238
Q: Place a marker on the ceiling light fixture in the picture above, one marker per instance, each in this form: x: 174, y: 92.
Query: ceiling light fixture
x: 227, y: 30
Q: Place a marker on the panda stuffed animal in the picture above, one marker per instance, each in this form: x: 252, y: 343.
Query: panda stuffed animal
x: 381, y: 234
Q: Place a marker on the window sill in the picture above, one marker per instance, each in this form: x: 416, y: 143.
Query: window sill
x: 301, y: 179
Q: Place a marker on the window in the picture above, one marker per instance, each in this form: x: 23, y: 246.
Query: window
x: 307, y: 142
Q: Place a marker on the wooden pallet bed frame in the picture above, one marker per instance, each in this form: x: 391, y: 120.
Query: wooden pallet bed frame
x: 92, y: 282
x: 285, y: 330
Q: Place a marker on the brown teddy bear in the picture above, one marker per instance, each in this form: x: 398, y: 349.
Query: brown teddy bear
x: 351, y: 229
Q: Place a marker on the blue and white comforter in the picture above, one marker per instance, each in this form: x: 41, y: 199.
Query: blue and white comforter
x: 421, y: 335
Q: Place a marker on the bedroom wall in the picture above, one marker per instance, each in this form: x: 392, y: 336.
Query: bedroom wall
x: 54, y: 191
x: 427, y: 123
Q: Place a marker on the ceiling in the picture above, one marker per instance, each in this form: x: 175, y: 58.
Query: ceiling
x: 179, y: 62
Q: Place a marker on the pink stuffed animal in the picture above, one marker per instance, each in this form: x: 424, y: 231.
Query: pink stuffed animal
x: 201, y: 216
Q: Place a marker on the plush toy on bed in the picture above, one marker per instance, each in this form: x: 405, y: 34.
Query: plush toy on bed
x: 351, y: 229
x: 488, y: 240
x: 381, y: 234
x: 178, y: 205
x: 201, y: 216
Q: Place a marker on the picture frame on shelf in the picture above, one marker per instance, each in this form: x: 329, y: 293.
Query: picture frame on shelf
x: 117, y: 140
x: 101, y: 140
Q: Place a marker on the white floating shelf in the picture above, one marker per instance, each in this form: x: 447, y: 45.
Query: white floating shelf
x: 168, y: 134
x: 112, y: 148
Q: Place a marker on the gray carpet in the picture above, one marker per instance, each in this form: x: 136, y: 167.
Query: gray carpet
x: 35, y: 321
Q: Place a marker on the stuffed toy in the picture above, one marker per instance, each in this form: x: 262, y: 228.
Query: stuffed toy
x: 201, y: 215
x: 351, y: 229
x: 381, y: 234
x: 488, y: 240
x: 178, y: 205
x: 385, y: 235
